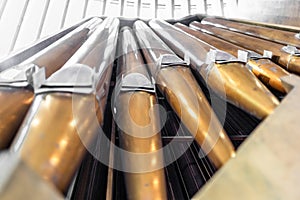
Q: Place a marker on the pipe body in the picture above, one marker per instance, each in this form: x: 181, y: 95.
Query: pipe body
x: 16, y: 101
x: 185, y: 97
x: 263, y: 68
x: 63, y: 125
x: 139, y: 124
x: 275, y: 35
x: 289, y: 61
x: 231, y: 80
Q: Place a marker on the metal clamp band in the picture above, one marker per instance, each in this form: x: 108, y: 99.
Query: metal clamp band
x: 297, y: 36
x: 218, y: 56
x: 291, y: 50
x: 137, y: 82
x: 169, y: 60
x: 78, y: 78
x: 23, y: 76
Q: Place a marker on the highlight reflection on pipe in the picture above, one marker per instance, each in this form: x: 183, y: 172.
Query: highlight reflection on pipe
x: 139, y: 124
x: 184, y: 95
x: 16, y: 101
x: 68, y: 110
x: 289, y: 59
x: 229, y: 78
x: 263, y: 68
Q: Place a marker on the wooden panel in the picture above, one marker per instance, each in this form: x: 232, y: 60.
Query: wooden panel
x: 271, y: 11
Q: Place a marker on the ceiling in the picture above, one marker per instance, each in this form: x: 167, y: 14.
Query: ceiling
x: 24, y: 21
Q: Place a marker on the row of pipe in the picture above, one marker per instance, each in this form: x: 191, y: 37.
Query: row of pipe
x: 53, y: 103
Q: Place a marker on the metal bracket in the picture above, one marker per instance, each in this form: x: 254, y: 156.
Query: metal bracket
x: 23, y: 76
x: 244, y: 56
x: 217, y: 56
x: 297, y: 36
x: 77, y: 78
x: 169, y: 60
x: 268, y: 54
x: 137, y: 82
x: 291, y: 50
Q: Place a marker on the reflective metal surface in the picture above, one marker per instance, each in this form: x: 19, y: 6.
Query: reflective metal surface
x: 57, y: 54
x: 266, y: 70
x: 62, y: 125
x: 289, y: 61
x: 15, y: 103
x: 186, y: 98
x: 56, y: 133
x: 280, y: 36
x: 242, y: 88
x: 231, y: 80
x: 268, y: 73
x: 51, y: 58
x: 139, y: 124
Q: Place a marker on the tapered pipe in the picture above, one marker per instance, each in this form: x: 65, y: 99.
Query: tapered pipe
x: 290, y: 61
x: 275, y: 35
x: 56, y: 55
x: 62, y: 123
x: 263, y: 68
x: 231, y: 79
x: 16, y: 101
x: 139, y: 125
x: 180, y: 88
x: 241, y: 87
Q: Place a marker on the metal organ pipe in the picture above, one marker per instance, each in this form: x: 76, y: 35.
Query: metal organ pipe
x: 184, y: 95
x: 262, y: 67
x: 68, y: 110
x: 286, y: 56
x: 16, y: 94
x: 139, y: 123
x: 228, y: 77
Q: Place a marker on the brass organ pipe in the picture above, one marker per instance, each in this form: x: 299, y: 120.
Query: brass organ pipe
x: 280, y: 36
x: 240, y: 86
x: 63, y: 124
x: 289, y: 61
x: 185, y: 97
x: 137, y: 109
x: 63, y: 48
x: 16, y: 101
x: 267, y: 71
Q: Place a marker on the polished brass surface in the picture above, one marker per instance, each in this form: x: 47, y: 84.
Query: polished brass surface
x: 231, y: 80
x: 140, y: 129
x: 130, y: 60
x: 186, y: 98
x: 57, y: 54
x: 266, y: 70
x: 56, y: 135
x: 189, y: 103
x: 16, y: 101
x: 268, y: 73
x: 288, y: 61
x: 147, y: 182
x: 14, y: 104
x: 98, y: 47
x: 245, y: 91
x: 280, y: 36
x: 213, y: 41
x: 62, y: 125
